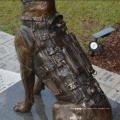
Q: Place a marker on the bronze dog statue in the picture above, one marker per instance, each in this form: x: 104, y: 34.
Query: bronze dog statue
x: 45, y: 49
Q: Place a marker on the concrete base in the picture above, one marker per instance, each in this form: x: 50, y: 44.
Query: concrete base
x: 42, y: 110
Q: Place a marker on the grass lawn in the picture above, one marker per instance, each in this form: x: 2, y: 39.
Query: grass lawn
x: 83, y: 17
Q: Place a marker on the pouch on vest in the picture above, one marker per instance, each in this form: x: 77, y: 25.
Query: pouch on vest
x: 77, y: 54
x: 52, y: 86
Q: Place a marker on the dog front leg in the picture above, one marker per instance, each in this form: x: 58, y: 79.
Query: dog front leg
x: 28, y: 82
x: 27, y: 74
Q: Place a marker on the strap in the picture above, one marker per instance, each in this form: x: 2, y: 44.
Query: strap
x: 54, y: 18
x: 28, y: 36
x: 44, y: 23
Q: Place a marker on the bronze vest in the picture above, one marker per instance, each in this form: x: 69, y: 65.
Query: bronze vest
x: 60, y: 62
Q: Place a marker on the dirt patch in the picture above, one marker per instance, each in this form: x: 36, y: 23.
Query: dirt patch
x: 86, y: 38
x: 110, y: 59
x: 90, y: 25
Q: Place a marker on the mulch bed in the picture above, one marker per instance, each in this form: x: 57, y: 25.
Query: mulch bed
x: 110, y: 59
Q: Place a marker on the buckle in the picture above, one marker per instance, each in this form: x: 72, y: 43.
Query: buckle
x: 53, y: 34
x: 50, y: 51
x: 38, y: 24
x: 73, y: 86
x: 61, y: 24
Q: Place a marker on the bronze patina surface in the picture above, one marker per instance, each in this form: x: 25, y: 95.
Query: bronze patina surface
x: 45, y: 49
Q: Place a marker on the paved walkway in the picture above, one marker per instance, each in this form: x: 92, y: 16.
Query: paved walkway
x: 8, y: 58
x: 9, y: 76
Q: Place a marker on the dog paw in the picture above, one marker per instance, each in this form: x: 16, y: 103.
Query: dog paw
x: 22, y: 107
